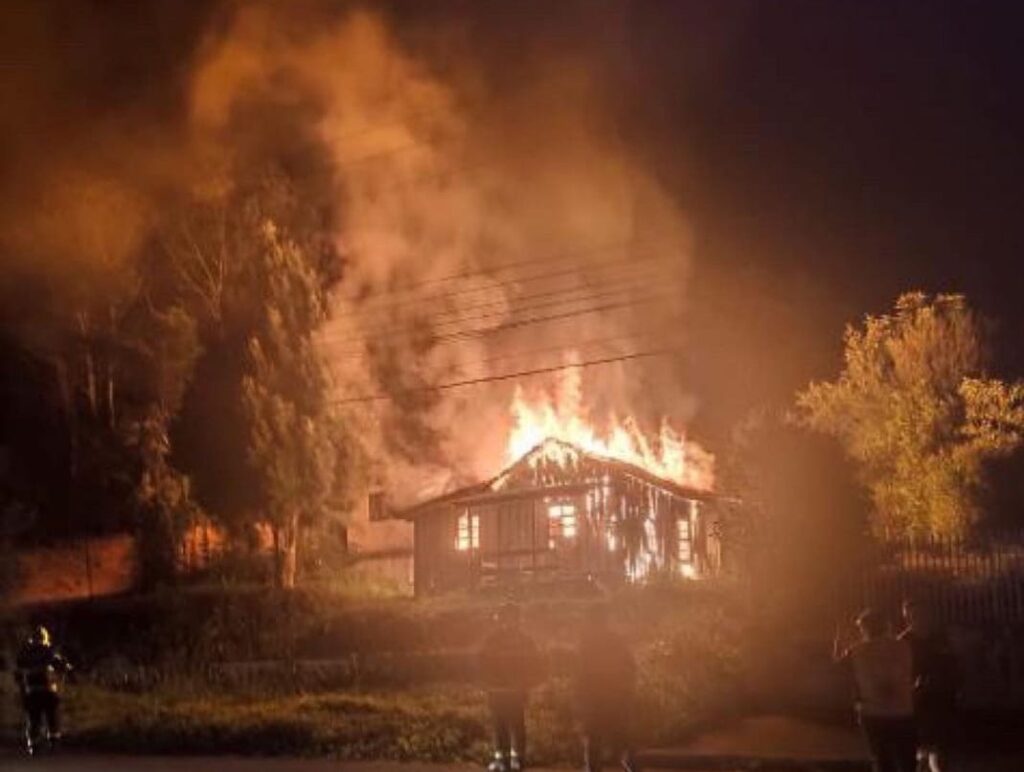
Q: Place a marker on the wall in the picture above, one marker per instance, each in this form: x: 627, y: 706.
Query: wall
x: 90, y: 567
x: 383, y: 548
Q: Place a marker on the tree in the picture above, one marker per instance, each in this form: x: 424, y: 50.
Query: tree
x: 297, y: 443
x: 212, y: 245
x: 167, y: 345
x: 915, y: 409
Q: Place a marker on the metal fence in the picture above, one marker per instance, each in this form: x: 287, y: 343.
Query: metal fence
x: 977, y: 582
x: 975, y: 588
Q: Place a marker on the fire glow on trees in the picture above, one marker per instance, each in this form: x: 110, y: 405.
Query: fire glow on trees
x: 539, y: 417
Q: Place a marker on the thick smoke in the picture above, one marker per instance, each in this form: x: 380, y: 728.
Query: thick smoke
x: 440, y: 176
x: 91, y: 146
x: 450, y: 162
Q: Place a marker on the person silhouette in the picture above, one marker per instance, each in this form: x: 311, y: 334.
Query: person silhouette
x: 935, y: 684
x: 509, y: 667
x: 883, y: 675
x: 604, y: 681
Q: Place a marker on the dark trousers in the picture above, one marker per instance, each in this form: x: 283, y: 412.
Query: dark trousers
x: 508, y: 717
x: 893, y: 743
x: 935, y: 715
x: 39, y: 706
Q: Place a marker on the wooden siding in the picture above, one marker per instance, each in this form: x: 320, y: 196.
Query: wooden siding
x: 625, y: 528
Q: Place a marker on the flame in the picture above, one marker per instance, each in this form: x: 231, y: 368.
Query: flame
x: 540, y: 417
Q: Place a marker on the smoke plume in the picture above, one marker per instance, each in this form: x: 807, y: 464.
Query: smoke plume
x: 447, y: 162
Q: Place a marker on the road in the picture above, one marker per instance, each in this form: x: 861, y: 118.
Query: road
x: 82, y: 763
x: 790, y: 743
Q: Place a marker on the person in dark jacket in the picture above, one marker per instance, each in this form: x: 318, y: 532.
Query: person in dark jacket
x: 935, y: 684
x: 883, y: 672
x: 509, y: 668
x: 604, y: 685
x: 38, y: 672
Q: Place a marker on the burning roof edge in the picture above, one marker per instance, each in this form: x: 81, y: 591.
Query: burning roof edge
x: 489, y: 488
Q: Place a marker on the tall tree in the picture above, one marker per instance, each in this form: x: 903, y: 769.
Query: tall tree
x: 297, y: 444
x: 212, y: 246
x: 915, y: 408
x: 167, y: 346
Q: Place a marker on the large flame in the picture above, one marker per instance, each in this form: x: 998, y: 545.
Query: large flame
x: 542, y: 416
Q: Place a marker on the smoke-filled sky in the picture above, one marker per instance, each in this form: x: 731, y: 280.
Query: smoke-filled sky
x: 742, y: 178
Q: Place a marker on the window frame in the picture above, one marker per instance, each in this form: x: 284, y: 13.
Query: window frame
x: 684, y: 537
x: 467, y: 531
x: 563, y: 526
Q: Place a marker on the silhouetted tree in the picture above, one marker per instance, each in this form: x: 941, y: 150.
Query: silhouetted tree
x: 297, y: 444
x: 168, y: 346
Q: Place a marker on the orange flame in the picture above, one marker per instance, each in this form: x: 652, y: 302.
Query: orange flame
x: 669, y: 455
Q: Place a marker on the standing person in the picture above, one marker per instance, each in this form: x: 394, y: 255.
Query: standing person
x: 38, y: 671
x: 883, y: 673
x: 935, y: 684
x: 509, y: 667
x: 605, y: 679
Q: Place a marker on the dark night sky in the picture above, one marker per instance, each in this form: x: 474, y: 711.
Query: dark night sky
x: 829, y: 154
x: 841, y: 153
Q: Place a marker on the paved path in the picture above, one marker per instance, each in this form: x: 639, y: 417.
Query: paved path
x: 766, y: 743
x: 66, y: 762
x: 762, y: 742
x: 773, y: 737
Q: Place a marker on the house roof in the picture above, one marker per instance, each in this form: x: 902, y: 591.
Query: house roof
x: 496, y: 487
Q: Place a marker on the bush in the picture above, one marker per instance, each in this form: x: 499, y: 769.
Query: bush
x: 310, y: 673
x: 690, y: 675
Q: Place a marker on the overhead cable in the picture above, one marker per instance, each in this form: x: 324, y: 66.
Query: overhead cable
x: 505, y: 376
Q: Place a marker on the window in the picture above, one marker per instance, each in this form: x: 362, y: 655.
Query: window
x: 685, y: 543
x: 467, y: 531
x: 561, y: 523
x: 611, y: 535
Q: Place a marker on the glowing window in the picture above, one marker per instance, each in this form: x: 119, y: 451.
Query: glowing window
x: 611, y: 535
x: 467, y: 531
x: 561, y: 523
x: 685, y: 543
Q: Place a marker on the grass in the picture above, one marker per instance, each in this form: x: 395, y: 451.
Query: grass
x: 410, y: 699
x: 444, y: 723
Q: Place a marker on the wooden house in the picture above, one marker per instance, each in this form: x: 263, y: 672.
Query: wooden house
x: 558, y: 513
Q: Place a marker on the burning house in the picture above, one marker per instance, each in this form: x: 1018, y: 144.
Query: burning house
x: 563, y: 512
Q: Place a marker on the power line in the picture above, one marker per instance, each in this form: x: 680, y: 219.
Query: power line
x: 505, y: 307
x: 518, y: 280
x: 519, y: 323
x: 562, y: 348
x: 491, y: 270
x: 595, y: 282
x: 612, y: 277
x: 506, y: 376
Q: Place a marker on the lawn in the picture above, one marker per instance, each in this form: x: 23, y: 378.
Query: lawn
x: 439, y: 725
x: 410, y: 694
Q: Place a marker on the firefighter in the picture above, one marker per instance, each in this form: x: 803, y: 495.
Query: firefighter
x: 38, y: 672
x: 605, y: 675
x: 509, y: 667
